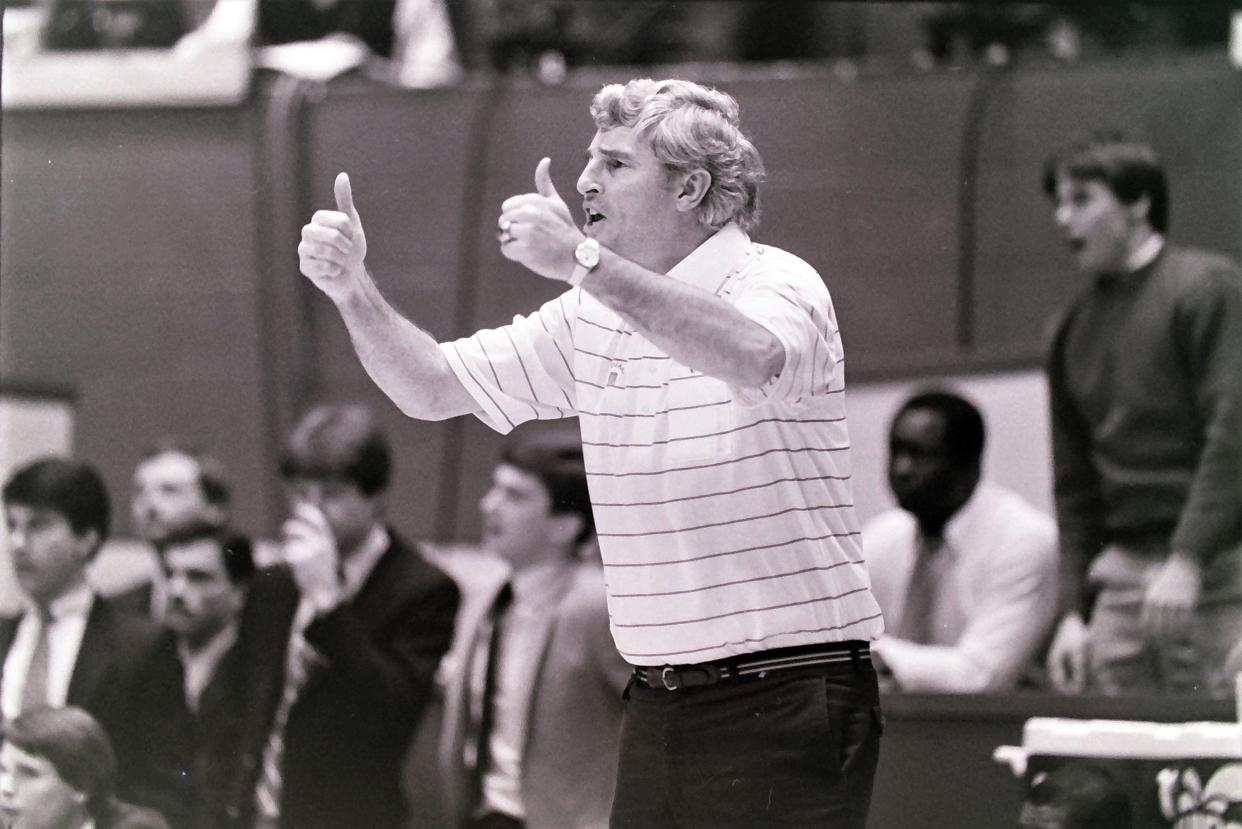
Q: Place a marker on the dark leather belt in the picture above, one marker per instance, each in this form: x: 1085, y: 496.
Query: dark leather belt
x: 750, y: 666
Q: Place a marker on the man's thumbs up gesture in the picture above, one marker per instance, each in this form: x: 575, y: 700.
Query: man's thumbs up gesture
x: 537, y: 230
x: 333, y: 245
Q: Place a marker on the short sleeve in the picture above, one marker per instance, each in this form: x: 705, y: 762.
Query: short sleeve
x: 788, y: 298
x: 521, y: 371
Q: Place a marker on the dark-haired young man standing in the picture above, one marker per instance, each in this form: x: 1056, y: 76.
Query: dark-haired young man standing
x: 372, y: 620
x: 533, y: 707
x: 1145, y: 378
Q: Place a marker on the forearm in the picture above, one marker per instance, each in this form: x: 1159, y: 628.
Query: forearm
x: 942, y: 669
x: 403, y: 360
x: 695, y: 328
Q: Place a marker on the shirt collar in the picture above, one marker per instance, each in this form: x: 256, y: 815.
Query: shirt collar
x: 710, y: 262
x: 358, y: 566
x: 75, y: 602
x: 960, y: 526
x: 538, y: 584
x: 215, y: 649
x: 1145, y: 253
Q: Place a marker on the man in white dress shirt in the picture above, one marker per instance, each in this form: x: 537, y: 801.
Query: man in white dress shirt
x: 965, y: 570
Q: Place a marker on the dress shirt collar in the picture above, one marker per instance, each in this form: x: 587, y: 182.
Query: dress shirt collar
x: 540, y: 584
x: 200, y: 665
x: 961, y: 526
x: 74, y: 602
x: 707, y: 265
x: 1145, y: 253
x: 357, y: 568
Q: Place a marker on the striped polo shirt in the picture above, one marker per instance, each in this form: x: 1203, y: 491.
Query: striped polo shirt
x: 725, y: 515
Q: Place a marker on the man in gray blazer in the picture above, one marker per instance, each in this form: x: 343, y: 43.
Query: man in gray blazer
x: 533, y: 700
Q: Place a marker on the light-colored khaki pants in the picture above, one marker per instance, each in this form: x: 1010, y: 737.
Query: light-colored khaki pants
x: 1126, y: 659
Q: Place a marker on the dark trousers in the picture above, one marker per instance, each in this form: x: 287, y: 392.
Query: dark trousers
x: 796, y: 748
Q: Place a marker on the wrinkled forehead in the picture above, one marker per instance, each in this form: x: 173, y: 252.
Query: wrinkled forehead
x: 620, y: 141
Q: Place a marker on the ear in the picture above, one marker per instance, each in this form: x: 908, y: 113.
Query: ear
x: 1140, y: 210
x: 694, y: 189
x: 565, y: 529
x: 88, y: 543
x: 216, y: 515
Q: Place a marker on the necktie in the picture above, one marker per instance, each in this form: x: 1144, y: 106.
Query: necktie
x: 483, y: 685
x: 299, y: 666
x: 922, y: 593
x: 34, y: 695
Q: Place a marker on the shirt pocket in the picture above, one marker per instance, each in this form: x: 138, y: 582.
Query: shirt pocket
x: 700, y: 417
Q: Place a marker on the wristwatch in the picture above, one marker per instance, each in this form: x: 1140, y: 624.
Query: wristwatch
x: 586, y: 256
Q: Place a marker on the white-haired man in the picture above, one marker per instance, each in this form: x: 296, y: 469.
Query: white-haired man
x: 705, y: 371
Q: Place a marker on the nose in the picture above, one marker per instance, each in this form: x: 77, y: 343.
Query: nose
x: 1061, y: 215
x: 901, y: 465
x: 17, y: 541
x: 588, y: 181
x: 311, y: 494
x: 488, y: 502
x: 175, y: 585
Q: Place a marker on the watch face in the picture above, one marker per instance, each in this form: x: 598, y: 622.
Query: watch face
x: 587, y: 253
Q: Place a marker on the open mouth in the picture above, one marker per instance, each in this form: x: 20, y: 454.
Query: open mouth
x: 593, y: 217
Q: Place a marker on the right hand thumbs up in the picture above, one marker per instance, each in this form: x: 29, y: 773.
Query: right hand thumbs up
x: 345, y: 197
x: 333, y: 246
x: 545, y: 188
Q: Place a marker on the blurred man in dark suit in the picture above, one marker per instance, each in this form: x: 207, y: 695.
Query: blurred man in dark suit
x: 73, y: 647
x: 372, y: 621
x: 232, y: 626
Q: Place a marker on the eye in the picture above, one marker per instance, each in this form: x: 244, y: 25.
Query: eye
x: 613, y: 164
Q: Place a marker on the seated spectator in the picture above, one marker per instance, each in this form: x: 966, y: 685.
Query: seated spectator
x: 175, y: 486
x: 232, y: 627
x: 412, y: 38
x: 113, y: 24
x: 365, y: 637
x: 73, y: 647
x: 1076, y: 795
x: 533, y: 703
x: 964, y: 570
x: 58, y: 771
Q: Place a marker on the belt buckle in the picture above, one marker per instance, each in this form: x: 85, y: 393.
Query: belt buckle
x: 664, y: 672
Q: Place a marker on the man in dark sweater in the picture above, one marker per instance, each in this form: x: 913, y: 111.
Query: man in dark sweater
x: 1145, y: 380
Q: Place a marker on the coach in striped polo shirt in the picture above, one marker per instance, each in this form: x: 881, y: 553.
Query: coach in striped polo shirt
x: 707, y: 374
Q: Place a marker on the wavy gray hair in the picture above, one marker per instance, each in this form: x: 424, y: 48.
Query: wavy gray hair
x: 691, y: 126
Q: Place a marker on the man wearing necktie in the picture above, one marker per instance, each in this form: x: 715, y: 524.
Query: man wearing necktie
x: 533, y: 705
x: 365, y: 636
x: 73, y: 647
x: 964, y: 569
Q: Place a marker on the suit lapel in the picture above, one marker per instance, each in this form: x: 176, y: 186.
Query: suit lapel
x: 90, y: 669
x: 8, y: 632
x: 547, y: 626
